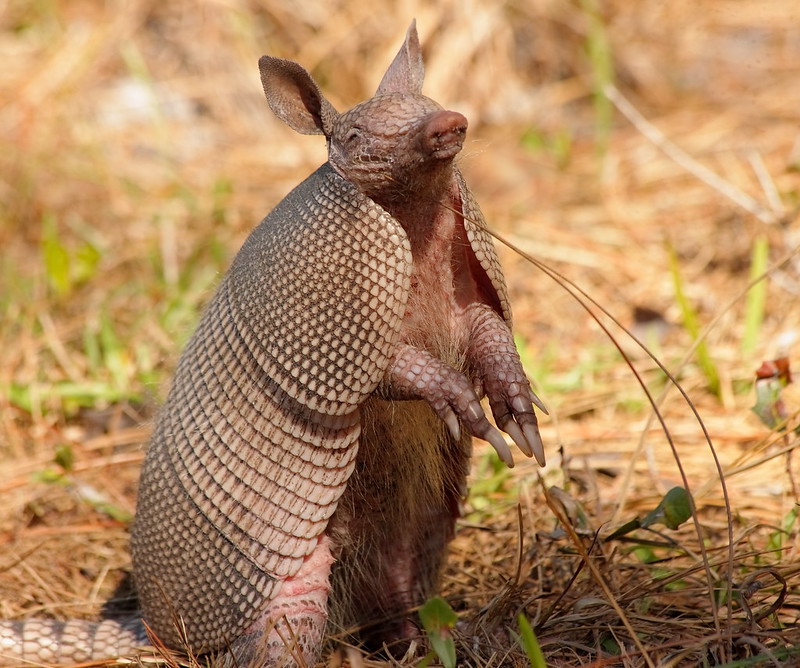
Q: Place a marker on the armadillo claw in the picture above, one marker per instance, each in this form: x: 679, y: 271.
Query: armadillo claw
x: 515, y: 432
x: 526, y: 418
x: 451, y: 420
x: 527, y: 424
x: 534, y: 439
x: 470, y: 411
x: 479, y: 426
x: 536, y: 401
x: 496, y: 440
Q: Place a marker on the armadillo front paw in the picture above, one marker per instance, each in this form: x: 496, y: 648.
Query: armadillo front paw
x: 495, y: 358
x: 513, y: 413
x: 416, y: 374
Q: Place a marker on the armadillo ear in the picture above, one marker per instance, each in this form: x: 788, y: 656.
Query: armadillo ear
x: 295, y: 97
x: 406, y: 72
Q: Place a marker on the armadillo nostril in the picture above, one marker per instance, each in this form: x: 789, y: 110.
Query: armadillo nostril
x: 444, y: 133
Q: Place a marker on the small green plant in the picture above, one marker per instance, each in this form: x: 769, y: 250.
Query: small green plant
x: 439, y: 619
x: 673, y: 510
x: 66, y: 268
x: 530, y: 643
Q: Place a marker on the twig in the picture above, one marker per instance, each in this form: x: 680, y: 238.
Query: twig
x: 684, y: 159
x: 766, y: 181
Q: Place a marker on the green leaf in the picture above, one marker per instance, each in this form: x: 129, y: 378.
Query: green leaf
x: 426, y: 660
x: 675, y: 508
x: 55, y: 256
x: 115, y: 355
x: 65, y: 457
x: 610, y: 645
x: 439, y: 619
x: 19, y: 395
x: 50, y: 476
x: 86, y: 260
x: 530, y: 643
x: 691, y: 323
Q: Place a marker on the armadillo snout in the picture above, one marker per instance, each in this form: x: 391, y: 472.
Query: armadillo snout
x: 444, y: 134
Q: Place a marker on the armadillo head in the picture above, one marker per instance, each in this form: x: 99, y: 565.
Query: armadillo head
x: 398, y: 145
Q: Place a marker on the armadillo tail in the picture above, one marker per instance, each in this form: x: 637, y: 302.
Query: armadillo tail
x: 49, y: 641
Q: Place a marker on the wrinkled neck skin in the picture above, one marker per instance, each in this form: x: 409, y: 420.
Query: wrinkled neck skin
x: 398, y: 149
x: 424, y: 209
x: 432, y: 220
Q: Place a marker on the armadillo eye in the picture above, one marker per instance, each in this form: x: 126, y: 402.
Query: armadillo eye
x: 353, y: 135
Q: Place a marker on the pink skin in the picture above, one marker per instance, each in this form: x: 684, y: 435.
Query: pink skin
x: 292, y: 626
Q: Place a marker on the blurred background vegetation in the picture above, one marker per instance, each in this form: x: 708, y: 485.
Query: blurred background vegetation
x: 137, y: 151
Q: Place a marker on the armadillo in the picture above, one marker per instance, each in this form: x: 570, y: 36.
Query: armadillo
x: 309, y: 464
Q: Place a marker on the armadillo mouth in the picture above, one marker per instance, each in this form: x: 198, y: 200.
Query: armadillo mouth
x: 444, y: 134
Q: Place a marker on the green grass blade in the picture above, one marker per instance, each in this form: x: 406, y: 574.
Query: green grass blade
x: 598, y: 51
x: 691, y: 322
x: 756, y: 301
x: 530, y: 643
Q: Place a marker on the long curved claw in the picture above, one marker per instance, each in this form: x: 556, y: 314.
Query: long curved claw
x: 468, y: 408
x: 521, y: 425
x: 479, y: 426
x: 534, y: 439
x: 496, y: 440
x: 536, y: 401
x: 450, y: 419
x: 516, y: 433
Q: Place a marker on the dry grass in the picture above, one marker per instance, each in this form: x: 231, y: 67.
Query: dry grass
x: 137, y: 152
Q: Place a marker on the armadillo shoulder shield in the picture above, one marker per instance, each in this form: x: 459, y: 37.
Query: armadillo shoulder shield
x: 321, y: 289
x: 260, y: 432
x: 482, y: 245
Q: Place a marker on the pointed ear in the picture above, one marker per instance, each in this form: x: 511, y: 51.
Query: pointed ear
x: 295, y: 97
x: 406, y: 72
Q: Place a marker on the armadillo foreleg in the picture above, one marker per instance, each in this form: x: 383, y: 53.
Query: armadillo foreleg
x: 416, y: 374
x: 494, y: 357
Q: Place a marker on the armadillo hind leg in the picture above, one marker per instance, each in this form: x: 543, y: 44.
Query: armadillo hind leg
x: 47, y: 641
x: 391, y: 529
x: 291, y: 630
